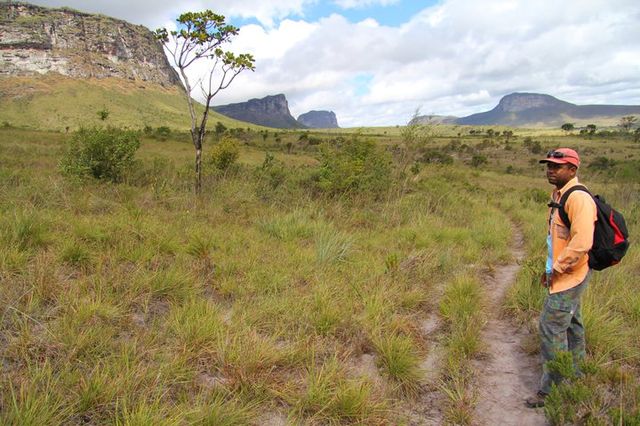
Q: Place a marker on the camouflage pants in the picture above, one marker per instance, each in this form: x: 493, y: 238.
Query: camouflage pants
x: 561, y: 329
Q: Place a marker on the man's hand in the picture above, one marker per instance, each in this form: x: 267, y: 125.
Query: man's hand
x: 547, y: 280
x: 543, y: 279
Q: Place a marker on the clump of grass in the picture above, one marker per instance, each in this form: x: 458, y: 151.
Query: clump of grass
x: 95, y: 391
x: 247, y: 356
x: 292, y: 226
x: 461, y: 307
x: 524, y: 299
x: 461, y: 400
x: 145, y: 413
x: 174, y: 284
x: 332, y: 246
x: 326, y: 315
x: 75, y: 254
x: 461, y: 302
x: 87, y: 328
x: 35, y: 401
x: 219, y: 410
x: 607, y: 334
x: 197, y: 326
x: 200, y: 247
x: 400, y: 360
x: 26, y: 230
x: 329, y: 397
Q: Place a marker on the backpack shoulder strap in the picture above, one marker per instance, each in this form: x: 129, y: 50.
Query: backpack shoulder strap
x: 563, y: 200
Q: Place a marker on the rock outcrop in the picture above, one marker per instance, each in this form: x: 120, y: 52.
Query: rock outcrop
x: 319, y: 120
x: 270, y: 111
x: 38, y: 40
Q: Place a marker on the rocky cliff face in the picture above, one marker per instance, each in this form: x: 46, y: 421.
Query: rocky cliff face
x: 271, y: 111
x: 38, y: 40
x: 517, y: 102
x: 319, y: 120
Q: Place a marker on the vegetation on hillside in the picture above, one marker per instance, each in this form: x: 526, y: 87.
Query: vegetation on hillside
x: 56, y: 102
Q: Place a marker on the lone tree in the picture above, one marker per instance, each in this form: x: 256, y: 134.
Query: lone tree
x: 567, y: 127
x: 199, y: 37
x: 627, y: 122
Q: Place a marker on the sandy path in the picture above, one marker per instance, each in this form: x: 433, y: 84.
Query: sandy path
x: 507, y: 374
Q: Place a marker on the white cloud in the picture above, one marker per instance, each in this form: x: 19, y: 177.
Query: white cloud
x: 153, y: 12
x: 354, y: 4
x: 457, y: 57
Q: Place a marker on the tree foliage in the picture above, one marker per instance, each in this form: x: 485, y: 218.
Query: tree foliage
x: 627, y: 122
x: 567, y: 127
x: 200, y: 38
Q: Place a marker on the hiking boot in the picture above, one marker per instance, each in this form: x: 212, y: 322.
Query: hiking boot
x: 537, y: 400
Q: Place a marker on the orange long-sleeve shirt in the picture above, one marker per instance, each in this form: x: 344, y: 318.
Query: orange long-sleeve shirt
x: 570, y: 247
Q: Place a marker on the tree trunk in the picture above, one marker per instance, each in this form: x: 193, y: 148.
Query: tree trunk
x: 198, y: 171
x: 197, y: 143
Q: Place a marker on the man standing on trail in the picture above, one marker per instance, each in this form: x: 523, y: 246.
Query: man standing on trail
x: 567, y: 270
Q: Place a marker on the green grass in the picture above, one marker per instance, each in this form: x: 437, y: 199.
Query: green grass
x: 55, y: 102
x: 461, y: 308
x: 138, y: 303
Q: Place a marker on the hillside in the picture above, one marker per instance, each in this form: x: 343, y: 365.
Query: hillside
x: 55, y: 102
x: 60, y: 67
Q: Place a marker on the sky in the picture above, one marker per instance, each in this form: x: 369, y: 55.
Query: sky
x: 377, y: 62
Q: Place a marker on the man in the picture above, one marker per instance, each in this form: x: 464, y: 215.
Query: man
x: 567, y: 270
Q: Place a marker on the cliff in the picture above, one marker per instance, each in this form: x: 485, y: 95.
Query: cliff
x: 319, y: 120
x: 270, y: 111
x: 37, y: 40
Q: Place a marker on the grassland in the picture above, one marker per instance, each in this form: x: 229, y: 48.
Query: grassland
x: 265, y: 300
x: 53, y: 101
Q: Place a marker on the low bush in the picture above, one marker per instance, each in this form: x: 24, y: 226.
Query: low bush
x: 357, y: 166
x: 101, y: 153
x: 225, y: 153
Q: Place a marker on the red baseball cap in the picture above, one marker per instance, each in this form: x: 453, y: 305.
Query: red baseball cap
x: 562, y: 156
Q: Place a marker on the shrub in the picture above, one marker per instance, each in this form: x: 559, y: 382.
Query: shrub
x: 101, y: 153
x: 225, y: 153
x: 436, y: 156
x: 358, y: 166
x: 478, y: 160
x: 602, y: 163
x: 271, y: 174
x: 162, y: 133
x: 533, y: 146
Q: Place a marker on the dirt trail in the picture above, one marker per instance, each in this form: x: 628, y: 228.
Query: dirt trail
x: 508, y: 375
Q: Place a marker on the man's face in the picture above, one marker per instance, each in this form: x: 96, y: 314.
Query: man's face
x: 560, y: 174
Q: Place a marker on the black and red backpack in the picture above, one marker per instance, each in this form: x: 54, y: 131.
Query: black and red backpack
x: 610, y: 236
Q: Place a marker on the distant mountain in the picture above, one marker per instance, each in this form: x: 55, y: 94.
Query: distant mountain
x: 270, y: 111
x: 539, y: 110
x: 319, y: 120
